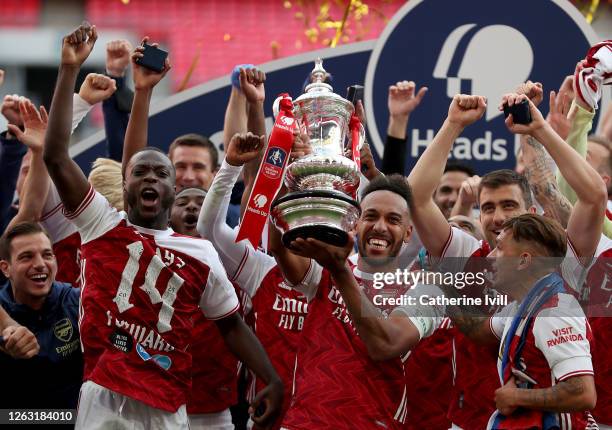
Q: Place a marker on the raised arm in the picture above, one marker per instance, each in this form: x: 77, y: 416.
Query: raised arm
x: 585, y: 222
x: 12, y: 153
x: 401, y: 101
x: 145, y: 80
x: 243, y: 264
x: 235, y: 116
x: 429, y: 221
x: 117, y: 108
x: 68, y: 177
x: 468, y: 197
x: 36, y: 185
x: 252, y: 85
x: 539, y: 167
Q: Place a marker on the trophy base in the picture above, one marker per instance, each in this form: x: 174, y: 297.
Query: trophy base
x: 324, y: 233
x: 326, y: 215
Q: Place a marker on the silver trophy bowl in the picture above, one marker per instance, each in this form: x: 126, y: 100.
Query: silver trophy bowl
x: 321, y: 185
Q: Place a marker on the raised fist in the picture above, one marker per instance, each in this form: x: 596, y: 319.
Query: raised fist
x: 465, y: 109
x: 244, y: 147
x: 468, y: 193
x: 96, y: 88
x: 117, y: 57
x: 402, y: 99
x: 77, y: 46
x: 368, y: 167
x: 533, y: 90
x: 143, y: 77
x: 252, y: 84
x: 537, y: 120
x: 10, y: 109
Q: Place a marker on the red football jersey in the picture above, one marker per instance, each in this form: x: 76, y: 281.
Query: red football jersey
x: 475, y: 372
x: 337, y: 385
x: 429, y: 377
x: 141, y: 290
x: 557, y: 347
x: 596, y: 298
x: 66, y: 240
x: 277, y: 313
x: 214, y: 370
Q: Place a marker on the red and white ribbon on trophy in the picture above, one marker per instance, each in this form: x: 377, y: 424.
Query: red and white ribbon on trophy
x: 355, y: 129
x: 270, y: 174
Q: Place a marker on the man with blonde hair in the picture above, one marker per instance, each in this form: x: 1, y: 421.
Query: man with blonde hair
x: 105, y: 177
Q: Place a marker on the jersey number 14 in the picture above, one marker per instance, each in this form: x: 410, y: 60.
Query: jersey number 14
x: 122, y: 298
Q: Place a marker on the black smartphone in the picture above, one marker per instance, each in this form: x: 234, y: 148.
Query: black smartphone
x: 520, y: 112
x: 153, y: 58
x: 354, y: 93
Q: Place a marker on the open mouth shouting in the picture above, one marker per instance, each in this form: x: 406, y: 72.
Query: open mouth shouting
x: 190, y: 220
x: 149, y: 197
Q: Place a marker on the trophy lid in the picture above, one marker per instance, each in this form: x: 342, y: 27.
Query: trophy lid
x: 317, y: 78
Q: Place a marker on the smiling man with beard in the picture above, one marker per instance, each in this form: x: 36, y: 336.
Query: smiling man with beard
x: 371, y: 394
x: 143, y: 284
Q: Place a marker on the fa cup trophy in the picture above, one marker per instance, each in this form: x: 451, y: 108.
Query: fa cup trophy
x: 322, y: 185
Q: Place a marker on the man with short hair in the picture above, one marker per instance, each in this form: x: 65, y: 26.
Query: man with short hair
x: 447, y: 192
x: 49, y: 309
x: 373, y: 392
x: 195, y: 159
x: 502, y: 195
x: 214, y: 371
x: 185, y: 211
x: 544, y: 361
x: 142, y: 282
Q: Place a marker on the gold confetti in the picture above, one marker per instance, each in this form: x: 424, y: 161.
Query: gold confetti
x: 274, y: 45
x: 227, y: 37
x: 125, y: 1
x: 312, y: 34
x: 287, y: 4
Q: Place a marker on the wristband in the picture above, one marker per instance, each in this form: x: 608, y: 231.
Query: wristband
x: 236, y: 73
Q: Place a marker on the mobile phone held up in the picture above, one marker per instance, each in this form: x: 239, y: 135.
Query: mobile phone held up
x: 152, y: 58
x: 354, y: 93
x: 520, y: 112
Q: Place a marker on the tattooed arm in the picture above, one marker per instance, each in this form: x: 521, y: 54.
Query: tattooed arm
x: 571, y: 395
x: 475, y: 327
x: 543, y: 182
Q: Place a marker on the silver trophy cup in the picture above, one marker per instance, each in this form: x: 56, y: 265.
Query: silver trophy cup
x: 320, y: 203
